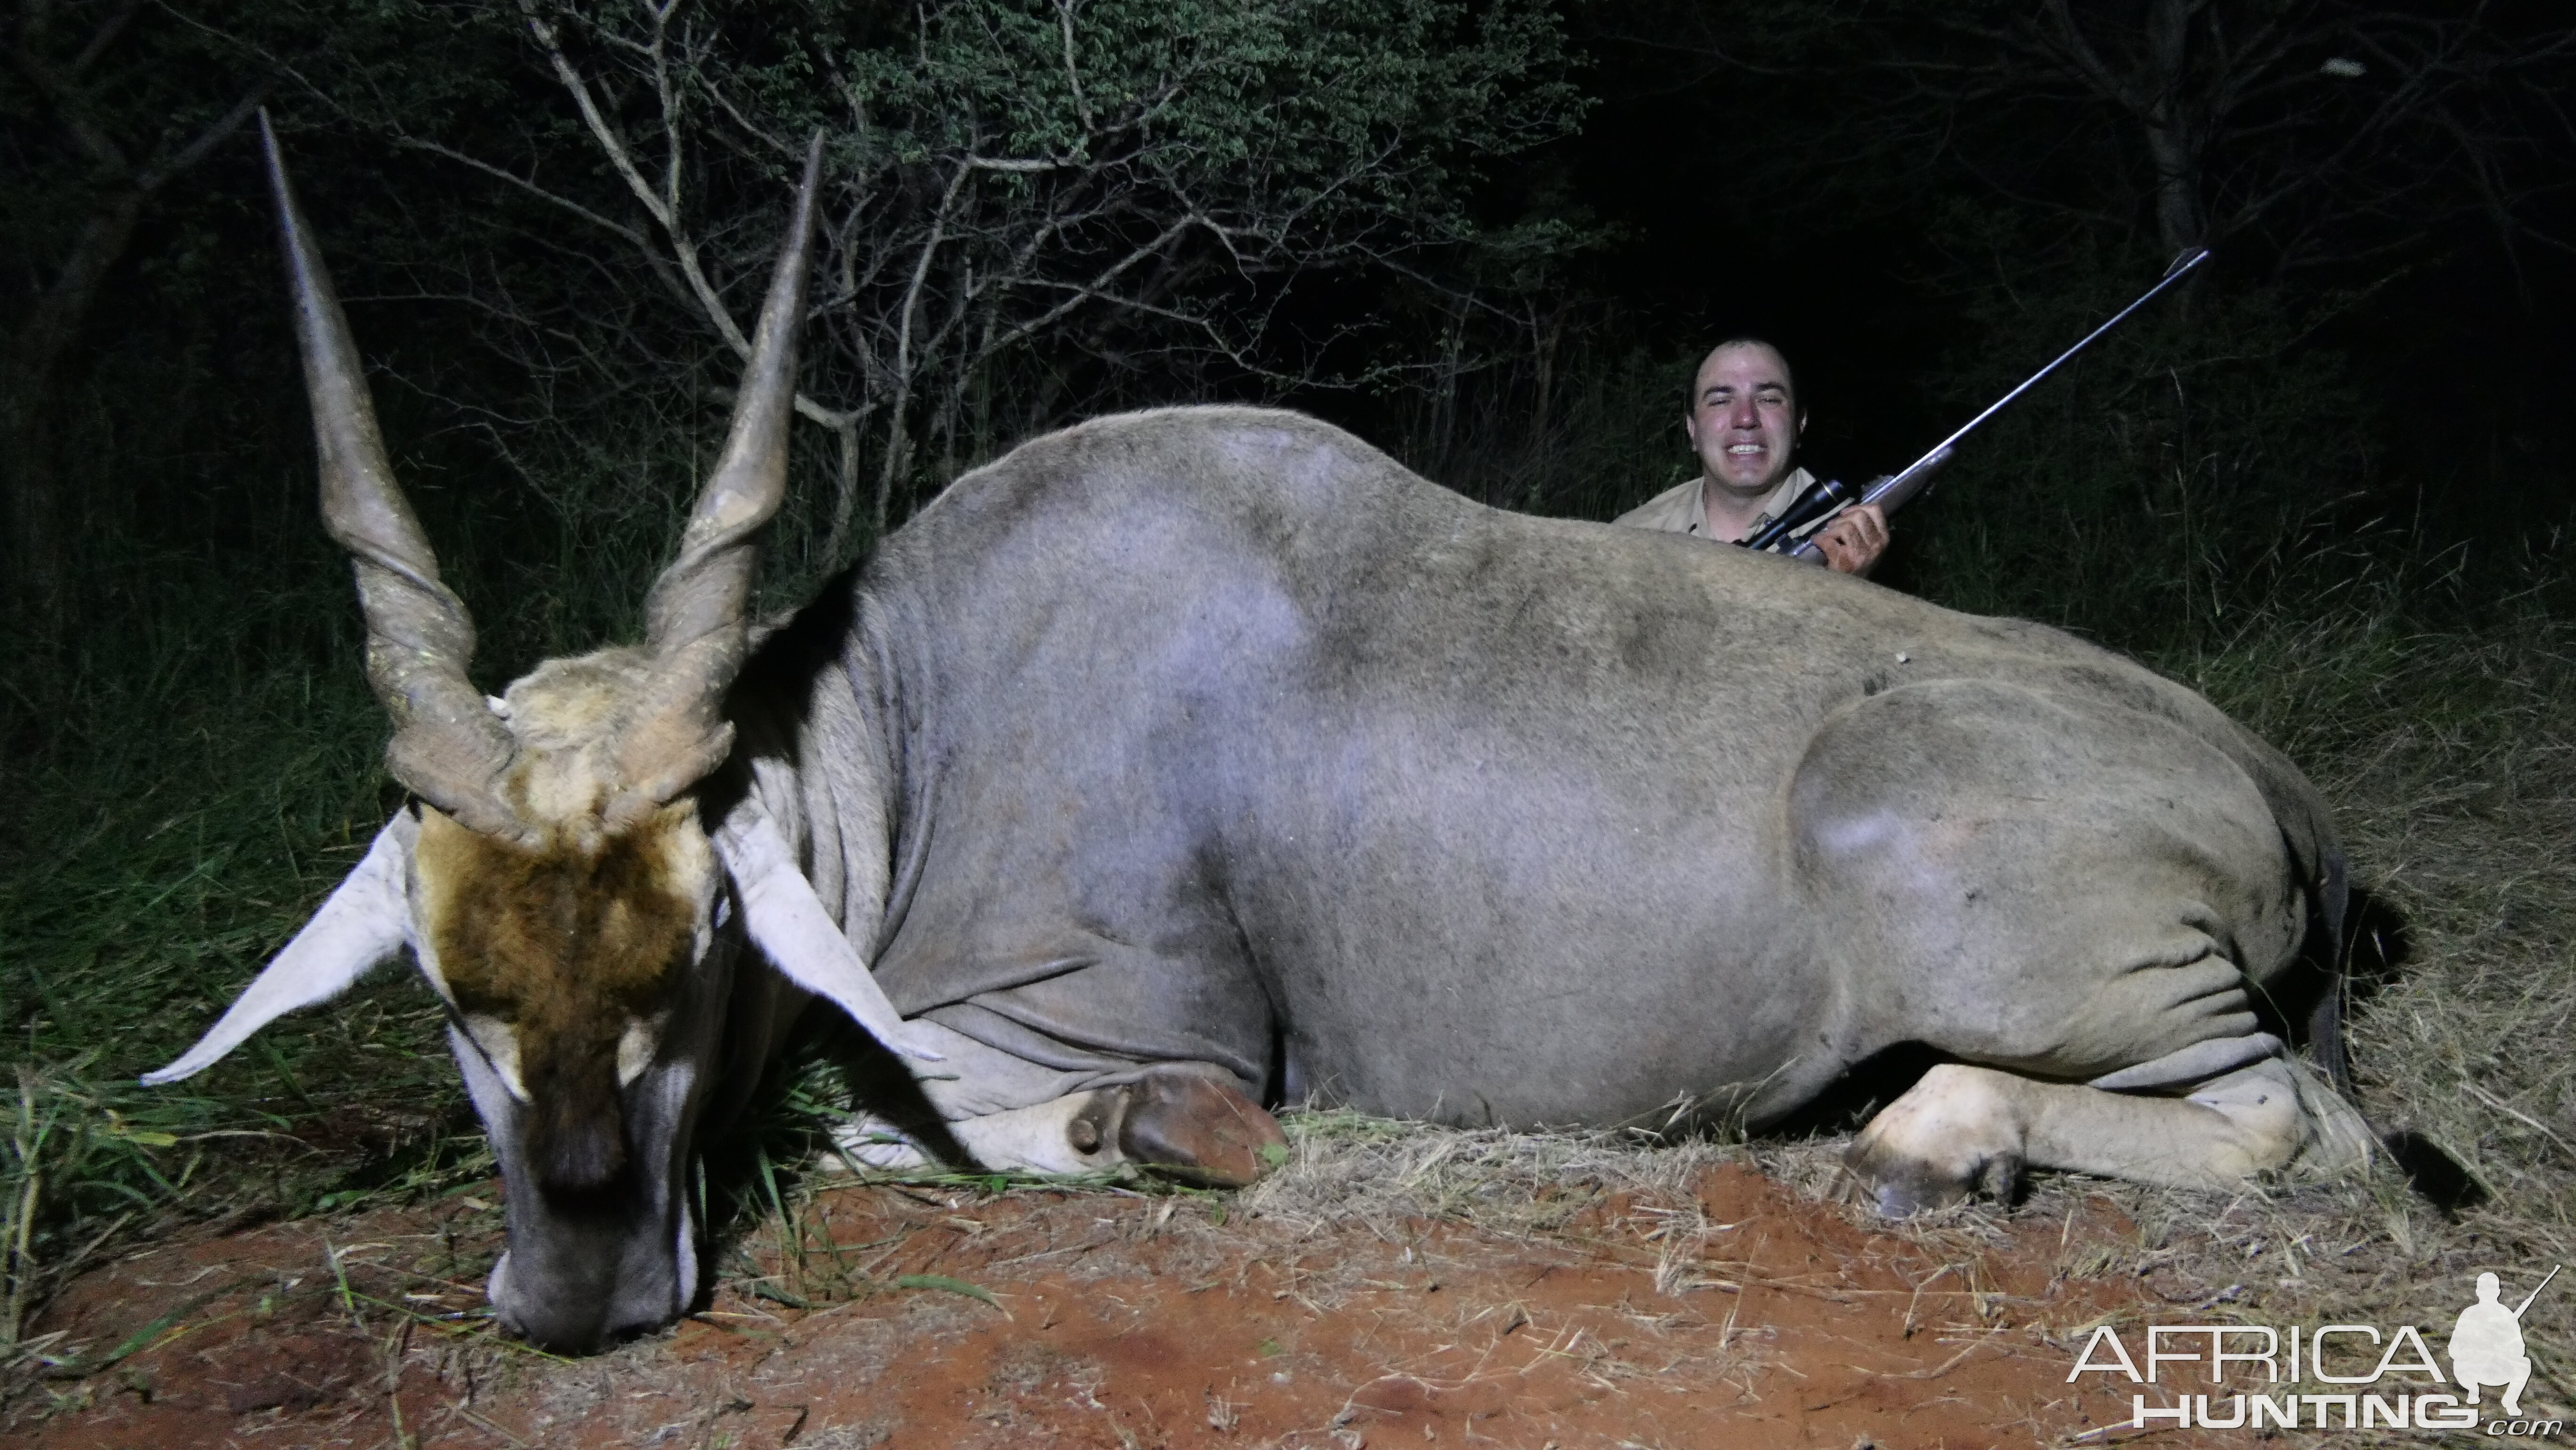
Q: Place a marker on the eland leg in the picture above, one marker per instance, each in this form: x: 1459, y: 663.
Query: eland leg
x: 1965, y: 1129
x: 2078, y: 900
x: 1191, y: 1120
x: 1187, y: 1120
x: 1180, y: 1119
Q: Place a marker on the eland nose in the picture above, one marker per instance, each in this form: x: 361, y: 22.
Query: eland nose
x: 577, y: 1302
x: 556, y: 1323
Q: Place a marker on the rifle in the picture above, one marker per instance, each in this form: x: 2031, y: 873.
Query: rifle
x: 1895, y: 490
x: 2526, y: 1299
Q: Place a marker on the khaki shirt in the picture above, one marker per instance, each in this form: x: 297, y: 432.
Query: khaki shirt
x: 1683, y: 509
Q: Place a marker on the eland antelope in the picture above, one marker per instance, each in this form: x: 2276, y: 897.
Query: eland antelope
x: 1193, y: 759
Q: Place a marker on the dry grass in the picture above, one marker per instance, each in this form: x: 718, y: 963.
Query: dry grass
x: 2453, y: 774
x: 2450, y: 760
x: 1345, y: 1167
x: 2448, y: 756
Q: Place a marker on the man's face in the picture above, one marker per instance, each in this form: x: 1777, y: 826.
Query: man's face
x: 1744, y: 421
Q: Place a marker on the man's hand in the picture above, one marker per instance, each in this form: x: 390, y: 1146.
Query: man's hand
x: 1852, y: 543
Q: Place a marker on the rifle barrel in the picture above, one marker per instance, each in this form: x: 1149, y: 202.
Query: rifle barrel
x: 1897, y: 488
x: 2180, y: 269
x: 2535, y: 1292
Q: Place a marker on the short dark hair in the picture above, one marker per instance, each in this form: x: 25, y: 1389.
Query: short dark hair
x: 1690, y: 388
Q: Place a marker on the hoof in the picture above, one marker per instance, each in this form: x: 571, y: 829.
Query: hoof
x: 1899, y: 1188
x: 1199, y: 1130
x: 1951, y: 1138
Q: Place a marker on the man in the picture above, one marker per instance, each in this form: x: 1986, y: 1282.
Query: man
x: 1744, y: 423
x: 2486, y: 1346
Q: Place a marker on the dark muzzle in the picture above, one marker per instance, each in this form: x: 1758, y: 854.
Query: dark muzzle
x: 575, y: 1125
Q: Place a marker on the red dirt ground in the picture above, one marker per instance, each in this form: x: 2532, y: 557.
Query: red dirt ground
x: 1750, y: 1318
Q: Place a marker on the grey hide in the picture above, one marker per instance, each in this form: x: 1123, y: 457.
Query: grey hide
x: 1214, y: 735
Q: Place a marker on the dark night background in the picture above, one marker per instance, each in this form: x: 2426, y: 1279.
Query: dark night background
x: 2329, y: 482
x: 1920, y: 202
x: 1892, y: 194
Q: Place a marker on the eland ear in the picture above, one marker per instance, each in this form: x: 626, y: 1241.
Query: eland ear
x: 791, y: 927
x: 365, y: 921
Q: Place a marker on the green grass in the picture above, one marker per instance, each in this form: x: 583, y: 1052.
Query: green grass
x: 193, y: 778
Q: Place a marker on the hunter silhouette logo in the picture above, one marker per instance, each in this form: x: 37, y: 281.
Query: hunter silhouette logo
x: 2486, y: 1344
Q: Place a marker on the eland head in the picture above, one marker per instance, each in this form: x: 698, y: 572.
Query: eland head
x: 594, y: 938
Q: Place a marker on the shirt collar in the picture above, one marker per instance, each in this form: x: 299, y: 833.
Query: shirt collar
x: 1779, y: 498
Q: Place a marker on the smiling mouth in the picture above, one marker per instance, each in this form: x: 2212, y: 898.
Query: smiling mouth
x: 1746, y: 448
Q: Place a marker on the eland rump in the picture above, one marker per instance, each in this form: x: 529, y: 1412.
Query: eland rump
x: 1191, y: 758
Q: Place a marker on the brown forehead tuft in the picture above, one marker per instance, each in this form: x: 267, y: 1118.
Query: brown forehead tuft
x: 573, y: 937
x: 566, y: 945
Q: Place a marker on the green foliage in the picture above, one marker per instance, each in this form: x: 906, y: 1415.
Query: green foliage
x: 73, y: 1160
x: 1036, y: 212
x: 202, y: 773
x: 1325, y: 112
